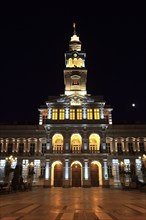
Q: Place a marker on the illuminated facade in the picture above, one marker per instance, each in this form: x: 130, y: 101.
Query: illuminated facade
x: 75, y: 143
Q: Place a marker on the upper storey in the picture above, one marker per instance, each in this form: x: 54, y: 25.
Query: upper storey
x: 75, y: 106
x: 75, y: 74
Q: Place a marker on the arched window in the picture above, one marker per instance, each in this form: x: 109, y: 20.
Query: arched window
x: 94, y: 143
x: 57, y: 142
x: 80, y: 62
x: 75, y: 62
x: 76, y: 143
x: 70, y: 63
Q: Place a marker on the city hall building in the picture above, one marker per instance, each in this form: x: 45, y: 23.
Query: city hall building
x: 75, y: 143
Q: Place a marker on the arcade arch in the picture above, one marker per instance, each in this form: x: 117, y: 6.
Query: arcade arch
x: 96, y: 173
x: 57, y: 174
x: 76, y: 174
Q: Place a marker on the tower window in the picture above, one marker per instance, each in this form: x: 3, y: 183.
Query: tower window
x: 79, y: 114
x: 61, y: 114
x: 89, y: 114
x: 54, y: 114
x: 72, y: 114
x: 96, y: 114
x: 75, y: 82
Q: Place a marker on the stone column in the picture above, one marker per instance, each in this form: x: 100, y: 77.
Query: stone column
x: 47, y: 181
x: 102, y: 113
x: 105, y: 173
x: 49, y: 143
x: 40, y: 118
x: 66, y: 143
x: 66, y: 174
x: 103, y: 144
x: 86, y: 176
x: 85, y: 147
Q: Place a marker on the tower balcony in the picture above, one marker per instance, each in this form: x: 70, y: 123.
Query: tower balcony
x: 83, y: 121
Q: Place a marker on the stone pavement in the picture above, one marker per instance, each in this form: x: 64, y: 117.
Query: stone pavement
x: 73, y: 204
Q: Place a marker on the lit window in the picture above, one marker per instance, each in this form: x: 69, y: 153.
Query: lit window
x: 61, y: 114
x: 96, y: 114
x: 75, y: 82
x: 54, y: 114
x: 89, y: 114
x: 70, y: 63
x: 45, y: 114
x: 80, y: 62
x: 79, y: 114
x: 72, y: 114
x: 75, y: 62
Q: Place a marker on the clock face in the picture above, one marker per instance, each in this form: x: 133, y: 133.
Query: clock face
x: 75, y: 55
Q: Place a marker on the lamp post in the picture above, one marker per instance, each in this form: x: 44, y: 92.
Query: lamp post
x: 30, y: 175
x: 125, y: 174
x: 8, y: 166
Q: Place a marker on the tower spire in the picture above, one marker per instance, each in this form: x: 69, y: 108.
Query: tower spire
x: 74, y: 27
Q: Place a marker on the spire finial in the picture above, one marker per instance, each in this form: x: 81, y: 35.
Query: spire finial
x: 74, y: 26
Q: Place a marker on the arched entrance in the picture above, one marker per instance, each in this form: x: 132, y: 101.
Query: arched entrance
x: 94, y: 174
x: 76, y: 174
x: 57, y: 174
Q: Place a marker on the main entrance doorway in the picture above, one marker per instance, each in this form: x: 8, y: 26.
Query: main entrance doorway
x: 58, y: 175
x: 94, y: 173
x: 76, y: 175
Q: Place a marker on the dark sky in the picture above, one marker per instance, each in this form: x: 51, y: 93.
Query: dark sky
x: 32, y: 48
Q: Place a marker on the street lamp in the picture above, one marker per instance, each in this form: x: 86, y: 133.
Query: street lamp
x: 9, y: 161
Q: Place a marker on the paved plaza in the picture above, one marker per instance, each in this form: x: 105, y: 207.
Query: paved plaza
x: 73, y: 204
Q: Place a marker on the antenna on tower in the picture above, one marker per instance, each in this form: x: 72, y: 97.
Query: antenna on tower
x: 74, y: 26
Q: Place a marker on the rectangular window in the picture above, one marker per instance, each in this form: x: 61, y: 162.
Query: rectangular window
x: 72, y: 114
x: 119, y: 148
x: 54, y: 114
x: 96, y: 114
x: 79, y: 114
x: 89, y: 114
x: 21, y: 148
x: 10, y: 148
x: 141, y: 147
x: 44, y: 148
x: 130, y: 147
x: 108, y: 147
x: 61, y: 114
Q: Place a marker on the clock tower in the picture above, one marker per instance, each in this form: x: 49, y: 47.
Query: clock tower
x: 75, y: 73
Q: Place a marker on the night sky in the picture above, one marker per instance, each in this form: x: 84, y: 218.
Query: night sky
x: 32, y: 48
